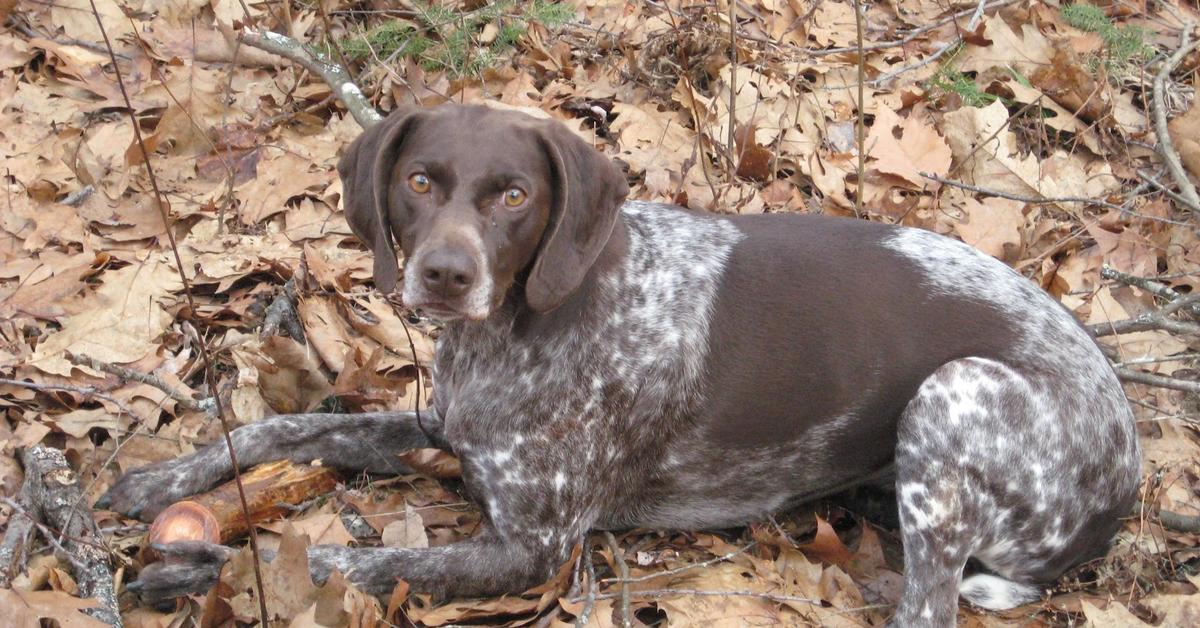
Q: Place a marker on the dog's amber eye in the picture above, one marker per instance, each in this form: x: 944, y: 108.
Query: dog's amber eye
x: 514, y: 197
x: 419, y: 183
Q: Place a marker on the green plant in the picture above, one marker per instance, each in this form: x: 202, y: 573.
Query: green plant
x: 1123, y: 45
x: 447, y: 40
x: 947, y: 80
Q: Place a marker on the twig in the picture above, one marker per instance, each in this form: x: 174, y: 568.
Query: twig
x: 912, y: 34
x: 734, y: 155
x: 89, y: 391
x: 1157, y: 319
x: 76, y: 198
x: 1166, y: 147
x: 589, y: 601
x: 660, y: 593
x: 209, y: 372
x: 1150, y: 379
x: 334, y: 75
x: 861, y: 125
x: 51, y: 494
x: 679, y: 570
x: 1048, y: 200
x: 937, y: 54
x: 1179, y: 522
x: 1152, y: 286
x: 282, y: 314
x: 623, y: 570
x: 149, y: 379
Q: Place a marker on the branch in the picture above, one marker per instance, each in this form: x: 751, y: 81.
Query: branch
x: 281, y: 314
x: 1156, y: 288
x: 1049, y: 200
x: 1179, y: 522
x: 619, y: 558
x: 51, y: 495
x: 1150, y: 379
x: 1165, y: 146
x: 205, y: 405
x: 337, y: 77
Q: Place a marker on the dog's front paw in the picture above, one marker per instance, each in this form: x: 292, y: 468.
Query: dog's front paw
x: 186, y: 567
x: 146, y: 491
x: 373, y: 571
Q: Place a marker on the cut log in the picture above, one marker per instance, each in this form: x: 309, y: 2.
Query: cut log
x: 216, y: 516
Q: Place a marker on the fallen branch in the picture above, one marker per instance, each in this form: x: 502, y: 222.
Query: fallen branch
x: 1157, y: 319
x: 679, y: 570
x: 661, y: 593
x: 1151, y: 379
x: 281, y: 314
x: 337, y: 77
x: 1166, y: 147
x: 50, y: 501
x: 589, y: 600
x: 1156, y: 288
x: 204, y: 405
x: 210, y: 374
x: 1049, y: 200
x: 626, y: 617
x: 1179, y: 522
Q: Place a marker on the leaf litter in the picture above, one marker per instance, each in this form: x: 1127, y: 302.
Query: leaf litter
x: 1026, y: 112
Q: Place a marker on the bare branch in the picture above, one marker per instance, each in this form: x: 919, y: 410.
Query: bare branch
x: 1165, y: 146
x: 337, y: 77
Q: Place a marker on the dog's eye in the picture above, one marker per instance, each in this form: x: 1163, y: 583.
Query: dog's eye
x: 419, y: 183
x: 514, y: 197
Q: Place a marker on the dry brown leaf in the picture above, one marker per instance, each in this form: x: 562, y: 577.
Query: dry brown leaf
x: 826, y: 546
x: 124, y: 319
x: 27, y: 608
x: 993, y: 226
x: 1185, y: 133
x: 918, y: 148
x: 406, y: 532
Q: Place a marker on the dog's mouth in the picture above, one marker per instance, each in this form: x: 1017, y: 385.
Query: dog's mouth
x: 438, y: 311
x: 444, y: 312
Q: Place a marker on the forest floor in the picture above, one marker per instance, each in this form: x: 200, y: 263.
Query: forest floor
x: 1039, y: 132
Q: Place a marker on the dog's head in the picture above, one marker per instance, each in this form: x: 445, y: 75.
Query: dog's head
x: 478, y: 197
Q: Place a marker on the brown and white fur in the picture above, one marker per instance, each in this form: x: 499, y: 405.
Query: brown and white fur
x: 609, y: 364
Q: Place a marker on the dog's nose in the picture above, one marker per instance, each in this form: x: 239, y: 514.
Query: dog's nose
x: 448, y: 273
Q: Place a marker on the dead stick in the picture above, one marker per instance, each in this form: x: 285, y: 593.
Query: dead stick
x: 1179, y: 522
x: 623, y: 570
x: 334, y: 75
x: 210, y: 373
x: 1166, y: 147
x: 146, y: 378
x: 52, y: 495
x: 1151, y: 379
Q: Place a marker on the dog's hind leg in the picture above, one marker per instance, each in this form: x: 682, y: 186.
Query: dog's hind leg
x: 358, y: 442
x: 961, y: 445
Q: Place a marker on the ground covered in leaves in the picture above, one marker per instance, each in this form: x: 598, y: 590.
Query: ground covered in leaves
x: 1023, y: 128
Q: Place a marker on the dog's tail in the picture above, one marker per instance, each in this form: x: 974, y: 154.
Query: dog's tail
x: 996, y: 593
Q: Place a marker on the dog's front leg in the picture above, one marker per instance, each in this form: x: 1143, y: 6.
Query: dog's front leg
x: 485, y: 565
x: 358, y: 442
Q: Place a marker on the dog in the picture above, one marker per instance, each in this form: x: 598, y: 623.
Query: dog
x: 609, y: 364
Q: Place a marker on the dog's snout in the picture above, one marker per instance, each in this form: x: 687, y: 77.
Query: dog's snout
x: 449, y: 273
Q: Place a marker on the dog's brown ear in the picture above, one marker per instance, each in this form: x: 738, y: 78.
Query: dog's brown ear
x: 366, y: 171
x: 588, y: 192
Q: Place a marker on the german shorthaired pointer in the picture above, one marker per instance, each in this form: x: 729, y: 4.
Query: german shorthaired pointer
x: 609, y: 364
